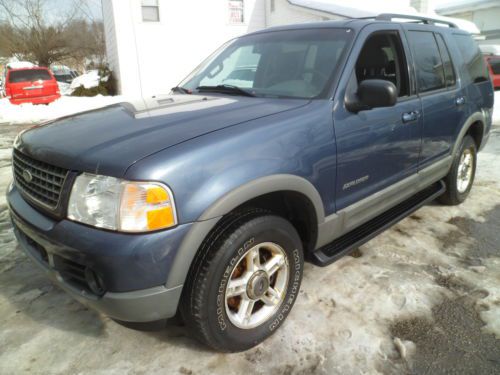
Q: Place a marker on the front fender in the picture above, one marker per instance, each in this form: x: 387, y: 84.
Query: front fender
x: 209, y: 219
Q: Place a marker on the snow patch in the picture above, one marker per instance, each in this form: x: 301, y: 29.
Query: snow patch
x: 496, y: 108
x: 88, y: 80
x: 66, y: 105
x: 20, y: 65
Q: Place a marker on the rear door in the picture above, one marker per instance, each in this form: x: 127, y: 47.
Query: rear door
x: 31, y: 83
x: 444, y: 106
x: 377, y: 147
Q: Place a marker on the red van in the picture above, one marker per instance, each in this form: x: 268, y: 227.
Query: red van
x: 31, y: 85
x: 493, y: 63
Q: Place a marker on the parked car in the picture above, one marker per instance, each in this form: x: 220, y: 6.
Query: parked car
x: 64, y: 77
x: 207, y: 202
x: 493, y: 64
x: 31, y: 85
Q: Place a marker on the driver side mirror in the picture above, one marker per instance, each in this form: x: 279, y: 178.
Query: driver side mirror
x: 372, y: 93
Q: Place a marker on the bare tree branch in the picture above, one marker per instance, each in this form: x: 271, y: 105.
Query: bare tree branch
x: 31, y: 30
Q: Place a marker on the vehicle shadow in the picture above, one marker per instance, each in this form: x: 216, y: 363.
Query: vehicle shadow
x: 30, y: 295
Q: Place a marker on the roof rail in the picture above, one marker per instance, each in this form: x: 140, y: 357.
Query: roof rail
x: 422, y: 19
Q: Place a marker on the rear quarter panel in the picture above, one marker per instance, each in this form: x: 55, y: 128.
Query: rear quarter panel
x: 479, y: 96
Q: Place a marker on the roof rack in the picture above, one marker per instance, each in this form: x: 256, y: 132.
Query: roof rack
x: 421, y: 19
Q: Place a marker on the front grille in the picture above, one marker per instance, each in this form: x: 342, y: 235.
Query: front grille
x: 39, y: 181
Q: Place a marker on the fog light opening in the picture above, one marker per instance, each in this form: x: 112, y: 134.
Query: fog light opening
x: 94, y: 282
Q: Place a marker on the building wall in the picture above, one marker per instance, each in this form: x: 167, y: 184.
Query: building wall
x: 486, y: 16
x: 152, y: 57
x: 284, y: 13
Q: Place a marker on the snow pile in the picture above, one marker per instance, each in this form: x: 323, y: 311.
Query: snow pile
x: 20, y: 65
x: 65, y: 88
x: 496, y: 108
x: 87, y: 80
x: 66, y: 105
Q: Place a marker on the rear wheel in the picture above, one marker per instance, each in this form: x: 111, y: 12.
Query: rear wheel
x: 460, y: 179
x: 244, y: 281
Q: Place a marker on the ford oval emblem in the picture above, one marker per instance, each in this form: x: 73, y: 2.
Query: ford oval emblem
x: 28, y: 177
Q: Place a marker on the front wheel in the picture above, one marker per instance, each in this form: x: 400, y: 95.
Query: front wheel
x: 462, y: 172
x: 244, y: 281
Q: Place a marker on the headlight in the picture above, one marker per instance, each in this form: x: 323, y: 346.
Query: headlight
x: 112, y: 203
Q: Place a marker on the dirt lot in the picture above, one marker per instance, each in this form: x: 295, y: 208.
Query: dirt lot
x: 423, y: 297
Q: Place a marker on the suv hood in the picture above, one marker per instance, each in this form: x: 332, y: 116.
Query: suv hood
x: 109, y: 140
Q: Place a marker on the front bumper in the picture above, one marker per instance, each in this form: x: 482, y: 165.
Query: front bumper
x: 132, y: 269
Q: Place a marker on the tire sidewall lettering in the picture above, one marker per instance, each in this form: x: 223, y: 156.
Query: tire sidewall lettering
x: 221, y: 316
x: 292, y: 292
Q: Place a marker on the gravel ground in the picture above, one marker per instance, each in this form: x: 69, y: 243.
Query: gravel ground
x: 423, y: 297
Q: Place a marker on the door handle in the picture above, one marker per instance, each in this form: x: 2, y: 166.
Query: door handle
x: 410, y: 116
x: 460, y: 100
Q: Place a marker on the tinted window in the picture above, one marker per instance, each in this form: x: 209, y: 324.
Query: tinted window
x: 449, y: 73
x: 472, y: 57
x: 430, y: 72
x: 495, y: 65
x: 29, y: 75
x: 63, y: 77
x: 292, y: 63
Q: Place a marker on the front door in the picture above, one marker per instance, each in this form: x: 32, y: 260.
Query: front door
x: 377, y: 147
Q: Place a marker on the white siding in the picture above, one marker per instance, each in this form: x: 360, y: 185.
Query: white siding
x: 155, y: 56
x: 110, y: 37
x: 285, y: 14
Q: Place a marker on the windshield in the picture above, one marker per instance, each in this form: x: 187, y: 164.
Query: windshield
x: 291, y: 63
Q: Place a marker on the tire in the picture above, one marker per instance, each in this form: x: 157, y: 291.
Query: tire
x: 222, y: 261
x: 457, y: 190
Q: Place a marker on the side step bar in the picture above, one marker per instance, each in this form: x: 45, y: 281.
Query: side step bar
x: 357, y: 237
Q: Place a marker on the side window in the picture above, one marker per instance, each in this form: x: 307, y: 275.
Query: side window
x: 449, y: 73
x: 472, y: 57
x: 430, y: 71
x: 382, y: 57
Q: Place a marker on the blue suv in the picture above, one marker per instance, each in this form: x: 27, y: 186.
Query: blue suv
x: 289, y: 144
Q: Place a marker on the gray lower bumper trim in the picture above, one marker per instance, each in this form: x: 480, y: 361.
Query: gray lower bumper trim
x: 139, y: 306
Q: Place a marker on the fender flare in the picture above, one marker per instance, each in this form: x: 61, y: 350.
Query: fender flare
x: 211, y: 216
x: 475, y: 117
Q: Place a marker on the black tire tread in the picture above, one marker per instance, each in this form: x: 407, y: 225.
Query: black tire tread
x: 191, y: 305
x: 451, y: 197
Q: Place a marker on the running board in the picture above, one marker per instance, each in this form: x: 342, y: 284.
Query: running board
x: 357, y: 237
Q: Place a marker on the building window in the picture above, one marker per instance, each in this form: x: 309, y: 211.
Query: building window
x: 236, y: 12
x: 150, y: 11
x: 273, y: 6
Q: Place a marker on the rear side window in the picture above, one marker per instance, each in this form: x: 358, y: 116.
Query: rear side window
x: 29, y: 75
x: 430, y: 71
x: 495, y: 65
x: 472, y: 58
x: 449, y: 73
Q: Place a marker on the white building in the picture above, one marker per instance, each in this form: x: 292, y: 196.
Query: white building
x: 484, y: 13
x: 153, y: 44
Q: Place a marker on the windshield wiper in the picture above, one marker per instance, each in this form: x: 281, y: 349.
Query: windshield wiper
x: 226, y: 89
x: 181, y: 89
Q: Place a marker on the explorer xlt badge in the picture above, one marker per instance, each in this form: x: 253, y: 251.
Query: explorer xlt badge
x: 355, y: 182
x: 205, y: 204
